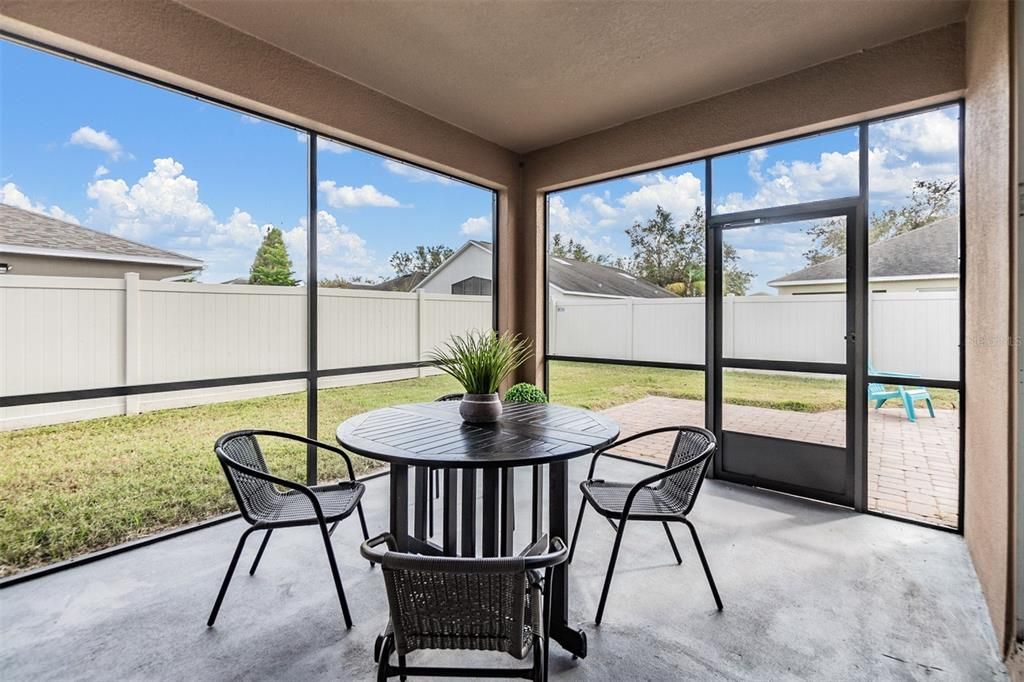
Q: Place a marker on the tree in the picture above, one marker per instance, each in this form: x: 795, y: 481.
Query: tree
x: 576, y: 251
x: 423, y: 259
x: 272, y: 264
x: 929, y: 200
x: 735, y: 281
x: 673, y: 257
x: 339, y: 282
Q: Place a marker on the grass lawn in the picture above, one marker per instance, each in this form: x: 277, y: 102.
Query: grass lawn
x: 69, y: 489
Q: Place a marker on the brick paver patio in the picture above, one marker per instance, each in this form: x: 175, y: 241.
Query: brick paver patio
x: 912, y: 467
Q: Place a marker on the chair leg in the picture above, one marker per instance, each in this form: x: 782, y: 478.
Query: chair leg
x: 704, y: 563
x: 432, y: 490
x: 334, y: 574
x: 576, y: 533
x: 611, y: 571
x: 931, y: 408
x: 672, y: 541
x: 401, y: 664
x: 538, y: 659
x: 908, y: 403
x: 227, y: 577
x: 259, y: 553
x: 383, y: 664
x: 362, y: 522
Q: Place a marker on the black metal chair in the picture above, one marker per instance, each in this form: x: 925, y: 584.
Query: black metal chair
x: 666, y: 496
x: 265, y: 507
x: 492, y: 604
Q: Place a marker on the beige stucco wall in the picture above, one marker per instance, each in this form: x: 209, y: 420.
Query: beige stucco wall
x: 990, y: 295
x: 23, y: 264
x: 918, y: 70
x: 169, y: 42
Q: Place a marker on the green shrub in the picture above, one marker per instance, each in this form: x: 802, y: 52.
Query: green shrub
x: 525, y: 393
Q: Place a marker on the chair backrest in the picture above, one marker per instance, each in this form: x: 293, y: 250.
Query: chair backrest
x: 458, y: 603
x: 449, y: 397
x: 255, y: 496
x: 693, y: 449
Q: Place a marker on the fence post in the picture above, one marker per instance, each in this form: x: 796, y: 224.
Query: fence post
x: 420, y: 334
x: 630, y: 329
x: 132, y: 403
x: 728, y: 327
x: 553, y: 346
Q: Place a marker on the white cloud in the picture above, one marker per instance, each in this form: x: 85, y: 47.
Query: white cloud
x: 575, y: 224
x: 606, y: 213
x: 238, y: 230
x: 475, y: 227
x: 164, y: 201
x: 101, y: 171
x: 97, y: 139
x: 164, y: 208
x: 918, y: 147
x: 415, y: 174
x: 250, y: 120
x: 931, y: 133
x: 347, y: 196
x: 11, y: 195
x: 341, y: 252
x: 568, y: 221
x: 679, y: 194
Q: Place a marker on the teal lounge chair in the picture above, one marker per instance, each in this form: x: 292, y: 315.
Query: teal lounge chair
x: 908, y: 394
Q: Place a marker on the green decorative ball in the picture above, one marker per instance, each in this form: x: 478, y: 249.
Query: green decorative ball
x: 525, y: 393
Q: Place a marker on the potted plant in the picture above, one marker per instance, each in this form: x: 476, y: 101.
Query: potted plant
x: 480, y: 361
x: 525, y: 393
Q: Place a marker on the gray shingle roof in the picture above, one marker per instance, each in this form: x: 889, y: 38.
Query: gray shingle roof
x: 21, y: 228
x: 929, y: 250
x: 591, y: 278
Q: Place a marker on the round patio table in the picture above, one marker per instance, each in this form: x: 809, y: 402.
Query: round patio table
x: 433, y: 436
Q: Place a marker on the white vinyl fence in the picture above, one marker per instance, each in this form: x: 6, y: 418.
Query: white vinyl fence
x: 912, y: 332
x: 68, y: 333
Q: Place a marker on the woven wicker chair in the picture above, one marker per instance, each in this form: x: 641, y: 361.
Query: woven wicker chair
x: 266, y: 507
x: 493, y: 604
x: 666, y: 496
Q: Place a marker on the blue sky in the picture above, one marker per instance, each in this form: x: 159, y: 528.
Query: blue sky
x: 168, y: 170
x: 825, y: 166
x: 159, y: 167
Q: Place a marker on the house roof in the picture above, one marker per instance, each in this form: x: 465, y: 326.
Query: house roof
x: 578, y: 277
x: 925, y: 252
x: 407, y: 282
x: 28, y: 232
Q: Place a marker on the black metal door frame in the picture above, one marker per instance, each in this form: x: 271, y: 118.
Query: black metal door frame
x: 794, y: 458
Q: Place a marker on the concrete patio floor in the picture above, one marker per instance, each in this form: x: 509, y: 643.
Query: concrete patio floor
x: 913, y: 467
x: 811, y: 591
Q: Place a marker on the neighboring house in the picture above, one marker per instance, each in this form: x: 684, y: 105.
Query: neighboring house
x: 35, y: 244
x: 468, y: 271
x: 925, y: 259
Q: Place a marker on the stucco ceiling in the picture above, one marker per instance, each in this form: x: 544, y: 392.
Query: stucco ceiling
x: 530, y: 73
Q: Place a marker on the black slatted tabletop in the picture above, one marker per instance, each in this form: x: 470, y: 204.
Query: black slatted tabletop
x: 433, y: 434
